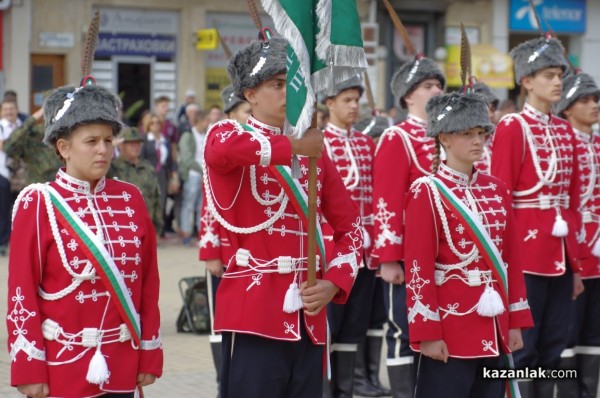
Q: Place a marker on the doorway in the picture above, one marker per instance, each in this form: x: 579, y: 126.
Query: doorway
x: 134, y: 88
x: 47, y: 73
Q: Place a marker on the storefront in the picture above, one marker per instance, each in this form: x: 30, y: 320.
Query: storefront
x: 136, y: 56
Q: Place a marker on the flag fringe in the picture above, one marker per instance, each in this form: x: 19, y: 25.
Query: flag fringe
x: 340, y: 56
x: 324, y: 10
x: 286, y: 27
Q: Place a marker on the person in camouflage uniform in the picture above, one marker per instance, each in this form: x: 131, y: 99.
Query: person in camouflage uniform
x: 25, y: 145
x: 131, y: 168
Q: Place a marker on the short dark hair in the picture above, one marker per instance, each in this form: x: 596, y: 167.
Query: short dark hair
x: 8, y: 93
x: 162, y: 98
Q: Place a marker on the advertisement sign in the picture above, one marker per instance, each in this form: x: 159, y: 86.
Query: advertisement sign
x: 564, y: 16
x: 159, y: 46
x: 490, y: 66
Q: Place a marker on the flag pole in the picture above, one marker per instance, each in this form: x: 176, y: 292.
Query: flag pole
x: 311, y: 278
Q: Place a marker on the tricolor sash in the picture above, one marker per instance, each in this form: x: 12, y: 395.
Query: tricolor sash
x: 487, y: 249
x: 298, y: 198
x: 101, y: 259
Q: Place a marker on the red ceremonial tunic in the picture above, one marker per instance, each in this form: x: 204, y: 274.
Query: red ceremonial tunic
x: 588, y: 157
x: 484, y: 164
x: 446, y: 275
x: 352, y: 154
x: 266, y: 234
x: 536, y: 160
x: 404, y: 153
x: 43, y: 287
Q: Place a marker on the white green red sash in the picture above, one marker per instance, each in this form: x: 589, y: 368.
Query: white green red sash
x: 488, y: 250
x: 298, y: 198
x: 479, y: 236
x: 101, y: 260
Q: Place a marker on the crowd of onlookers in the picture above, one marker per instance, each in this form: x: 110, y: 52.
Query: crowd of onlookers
x: 162, y: 155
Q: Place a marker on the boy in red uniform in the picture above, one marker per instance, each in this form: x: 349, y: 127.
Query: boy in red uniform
x: 534, y: 155
x: 273, y: 326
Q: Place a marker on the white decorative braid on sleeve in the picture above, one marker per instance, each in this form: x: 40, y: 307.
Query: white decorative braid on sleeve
x: 153, y: 344
x: 521, y: 305
x: 22, y: 344
x: 419, y: 308
x: 265, y: 147
x: 349, y: 258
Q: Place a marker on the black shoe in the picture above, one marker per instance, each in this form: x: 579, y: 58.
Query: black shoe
x: 342, y: 373
x: 3, y: 250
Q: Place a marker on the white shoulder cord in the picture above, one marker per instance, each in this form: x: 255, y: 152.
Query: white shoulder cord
x: 238, y: 230
x: 260, y: 200
x: 590, y: 188
x: 353, y: 171
x: 407, y: 139
x: 88, y: 272
x: 550, y: 174
x: 467, y: 258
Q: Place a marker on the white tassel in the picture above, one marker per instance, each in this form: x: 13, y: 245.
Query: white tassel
x: 98, y: 369
x: 366, y: 239
x: 292, y: 301
x: 596, y: 248
x: 490, y: 303
x: 560, y: 228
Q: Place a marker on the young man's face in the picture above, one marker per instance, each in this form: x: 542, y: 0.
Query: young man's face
x: 343, y: 108
x: 162, y: 108
x: 424, y: 91
x: 584, y: 111
x: 268, y: 98
x: 545, y: 84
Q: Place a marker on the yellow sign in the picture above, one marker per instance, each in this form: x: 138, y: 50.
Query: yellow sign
x: 207, y: 39
x: 490, y: 66
x: 216, y: 80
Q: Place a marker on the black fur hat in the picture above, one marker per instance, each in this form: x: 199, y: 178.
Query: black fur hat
x: 68, y: 107
x: 372, y: 126
x: 256, y: 63
x: 230, y: 100
x: 537, y: 54
x: 575, y: 86
x: 413, y: 72
x: 456, y: 112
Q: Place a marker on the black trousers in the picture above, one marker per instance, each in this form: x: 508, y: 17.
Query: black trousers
x: 458, y: 378
x: 550, y: 301
x: 257, y: 367
x: 586, y: 317
x: 6, y: 202
x: 349, y: 322
x: 397, y: 333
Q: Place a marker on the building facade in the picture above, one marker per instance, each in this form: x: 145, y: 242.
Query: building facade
x: 147, y: 48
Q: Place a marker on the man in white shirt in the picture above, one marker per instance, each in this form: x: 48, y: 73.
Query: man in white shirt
x: 8, y: 123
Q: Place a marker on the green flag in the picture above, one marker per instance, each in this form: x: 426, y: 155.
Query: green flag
x: 324, y: 48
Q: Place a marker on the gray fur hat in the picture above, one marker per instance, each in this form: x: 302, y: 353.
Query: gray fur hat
x: 537, y: 54
x: 413, y: 72
x: 576, y: 86
x: 68, y: 107
x: 354, y: 82
x: 372, y: 126
x: 256, y: 63
x: 456, y: 112
x: 230, y: 100
x: 486, y: 92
